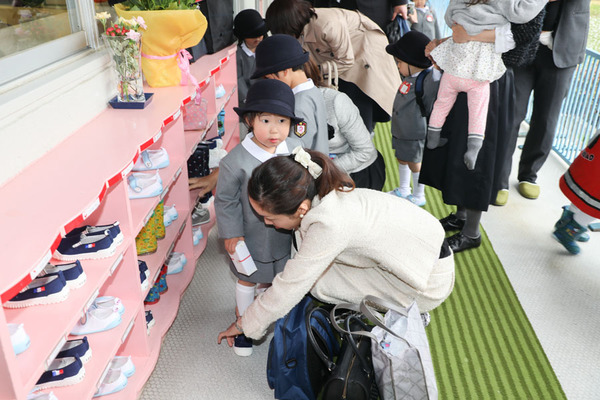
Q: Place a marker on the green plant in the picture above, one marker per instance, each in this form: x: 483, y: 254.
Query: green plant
x: 148, y: 5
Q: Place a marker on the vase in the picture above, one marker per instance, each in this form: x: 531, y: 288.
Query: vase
x: 127, y: 55
x: 168, y: 32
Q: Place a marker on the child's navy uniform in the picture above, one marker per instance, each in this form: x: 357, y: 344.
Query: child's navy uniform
x: 409, y: 127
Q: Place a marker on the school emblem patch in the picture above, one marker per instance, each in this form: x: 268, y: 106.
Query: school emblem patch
x: 300, y: 129
x: 404, y: 88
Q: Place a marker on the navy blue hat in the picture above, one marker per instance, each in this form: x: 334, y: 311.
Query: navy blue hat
x: 410, y: 48
x: 272, y: 96
x: 249, y: 24
x: 276, y: 53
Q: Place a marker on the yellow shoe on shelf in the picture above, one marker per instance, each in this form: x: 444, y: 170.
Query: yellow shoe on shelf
x: 145, y: 241
x: 501, y: 197
x: 529, y: 190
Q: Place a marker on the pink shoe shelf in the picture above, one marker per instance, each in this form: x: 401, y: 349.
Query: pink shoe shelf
x: 82, y: 181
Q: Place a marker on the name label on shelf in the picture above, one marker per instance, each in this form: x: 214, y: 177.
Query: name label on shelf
x: 91, y: 208
x: 90, y: 302
x: 170, y: 249
x: 127, y: 169
x: 127, y: 331
x: 177, y: 173
x: 103, y: 375
x: 148, y: 216
x: 165, y: 191
x: 177, y: 114
x: 157, y: 136
x: 43, y: 262
x: 52, y: 356
x: 116, y: 263
x: 181, y: 229
x: 156, y: 276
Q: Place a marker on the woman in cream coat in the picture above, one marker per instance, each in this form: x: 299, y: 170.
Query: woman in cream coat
x: 352, y: 242
x: 368, y: 75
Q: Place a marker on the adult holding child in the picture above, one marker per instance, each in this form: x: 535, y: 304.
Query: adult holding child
x: 350, y: 40
x: 376, y: 243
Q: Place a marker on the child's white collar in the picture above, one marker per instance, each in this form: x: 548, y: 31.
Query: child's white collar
x: 303, y: 86
x: 261, y: 154
x: 248, y: 52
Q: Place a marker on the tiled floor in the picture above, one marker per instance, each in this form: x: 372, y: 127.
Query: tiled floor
x: 559, y: 292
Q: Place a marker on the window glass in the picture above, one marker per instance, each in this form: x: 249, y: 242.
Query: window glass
x: 25, y: 24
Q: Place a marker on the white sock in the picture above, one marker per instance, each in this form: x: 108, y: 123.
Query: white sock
x: 244, y: 296
x: 404, y: 181
x: 261, y: 287
x: 580, y: 217
x: 418, y: 188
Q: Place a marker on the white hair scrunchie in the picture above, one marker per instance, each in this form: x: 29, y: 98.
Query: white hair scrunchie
x: 303, y: 158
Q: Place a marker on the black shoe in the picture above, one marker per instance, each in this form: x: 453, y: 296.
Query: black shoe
x: 460, y: 242
x: 452, y: 223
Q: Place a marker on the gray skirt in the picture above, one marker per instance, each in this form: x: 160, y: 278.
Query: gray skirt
x: 265, y: 272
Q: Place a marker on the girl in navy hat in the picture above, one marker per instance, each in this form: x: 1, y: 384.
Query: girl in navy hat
x: 250, y: 29
x: 268, y: 112
x: 412, y: 106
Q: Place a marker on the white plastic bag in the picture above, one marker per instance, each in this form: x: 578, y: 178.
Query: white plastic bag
x: 401, y: 357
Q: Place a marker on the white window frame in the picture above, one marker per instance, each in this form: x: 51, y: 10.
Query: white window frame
x: 82, y: 14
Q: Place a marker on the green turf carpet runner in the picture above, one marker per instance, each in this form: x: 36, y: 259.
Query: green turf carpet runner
x: 482, y: 343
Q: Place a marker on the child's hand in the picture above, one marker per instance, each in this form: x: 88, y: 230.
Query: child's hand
x: 231, y: 243
x: 431, y: 45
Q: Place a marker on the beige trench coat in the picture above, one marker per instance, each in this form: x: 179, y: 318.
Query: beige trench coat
x: 357, y: 45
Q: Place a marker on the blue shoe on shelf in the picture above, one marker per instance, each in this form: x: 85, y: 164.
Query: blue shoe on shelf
x: 18, y: 338
x: 113, y: 382
x: 123, y: 363
x: 62, y: 372
x: 151, y: 159
x: 220, y: 91
x: 86, y: 246
x: 76, y: 348
x: 110, y: 302
x: 45, y: 290
x: 97, y: 320
x: 149, y: 321
x: 141, y: 185
x: 113, y: 229
x: 73, y: 273
x: 153, y: 295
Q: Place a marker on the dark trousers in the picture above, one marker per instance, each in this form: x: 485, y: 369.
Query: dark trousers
x: 550, y: 86
x: 369, y: 110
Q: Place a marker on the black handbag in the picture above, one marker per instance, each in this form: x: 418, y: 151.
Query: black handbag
x: 352, y: 376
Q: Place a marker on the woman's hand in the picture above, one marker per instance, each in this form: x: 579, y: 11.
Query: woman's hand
x: 402, y: 10
x: 459, y: 34
x: 231, y: 243
x: 205, y: 183
x: 230, y: 333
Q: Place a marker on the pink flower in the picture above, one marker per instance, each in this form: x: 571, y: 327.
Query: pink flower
x: 141, y: 22
x: 133, y: 35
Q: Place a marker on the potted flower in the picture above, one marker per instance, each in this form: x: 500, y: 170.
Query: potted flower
x: 173, y: 26
x: 123, y: 39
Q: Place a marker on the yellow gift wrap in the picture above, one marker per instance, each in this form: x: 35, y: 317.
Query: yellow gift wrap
x: 168, y: 32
